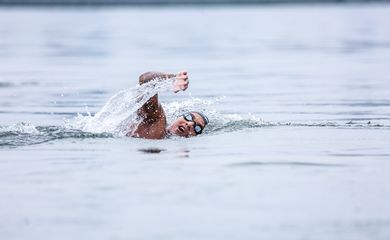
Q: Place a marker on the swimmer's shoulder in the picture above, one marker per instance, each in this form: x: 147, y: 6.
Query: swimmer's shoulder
x: 151, y: 128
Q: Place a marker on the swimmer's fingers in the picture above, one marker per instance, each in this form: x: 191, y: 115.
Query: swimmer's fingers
x: 181, y: 81
x: 176, y: 89
x: 182, y: 75
x: 185, y: 86
x: 180, y: 85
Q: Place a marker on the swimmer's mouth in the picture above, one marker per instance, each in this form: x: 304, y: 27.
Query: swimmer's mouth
x: 181, y: 129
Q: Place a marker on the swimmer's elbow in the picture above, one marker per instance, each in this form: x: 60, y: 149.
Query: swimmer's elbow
x: 145, y: 77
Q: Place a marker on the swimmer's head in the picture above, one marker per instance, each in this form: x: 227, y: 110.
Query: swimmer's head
x: 189, y: 124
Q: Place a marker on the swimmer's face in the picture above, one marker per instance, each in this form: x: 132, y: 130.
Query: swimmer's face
x: 188, y: 125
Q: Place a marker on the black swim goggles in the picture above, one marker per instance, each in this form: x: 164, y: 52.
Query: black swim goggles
x: 189, y: 117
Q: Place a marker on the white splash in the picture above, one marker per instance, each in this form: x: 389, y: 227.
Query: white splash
x: 119, y: 113
x: 21, y: 127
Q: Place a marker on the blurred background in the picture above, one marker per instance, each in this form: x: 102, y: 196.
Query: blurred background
x: 162, y: 2
x: 297, y: 91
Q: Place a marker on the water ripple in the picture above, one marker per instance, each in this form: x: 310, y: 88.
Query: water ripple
x: 303, y: 164
x: 23, y: 134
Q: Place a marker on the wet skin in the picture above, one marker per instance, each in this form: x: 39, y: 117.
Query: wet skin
x: 184, y: 128
x: 154, y: 124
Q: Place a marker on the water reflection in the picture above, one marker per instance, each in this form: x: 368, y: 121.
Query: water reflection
x: 303, y: 164
x: 180, y: 153
x: 183, y: 153
x: 5, y: 84
x: 151, y: 150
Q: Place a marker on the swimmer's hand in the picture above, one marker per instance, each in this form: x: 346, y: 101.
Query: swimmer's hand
x: 181, y: 82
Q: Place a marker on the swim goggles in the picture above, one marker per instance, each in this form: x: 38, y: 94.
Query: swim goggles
x: 189, y: 117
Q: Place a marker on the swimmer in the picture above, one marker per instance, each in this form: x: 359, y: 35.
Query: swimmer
x: 153, y: 123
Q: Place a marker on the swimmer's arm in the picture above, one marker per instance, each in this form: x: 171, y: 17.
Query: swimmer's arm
x: 149, y: 76
x: 180, y: 83
x: 152, y: 109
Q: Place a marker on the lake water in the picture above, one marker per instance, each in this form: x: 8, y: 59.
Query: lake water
x: 299, y: 141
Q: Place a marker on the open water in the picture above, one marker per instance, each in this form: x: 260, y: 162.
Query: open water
x: 299, y: 141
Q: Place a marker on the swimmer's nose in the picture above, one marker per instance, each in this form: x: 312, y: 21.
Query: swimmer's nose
x: 189, y: 125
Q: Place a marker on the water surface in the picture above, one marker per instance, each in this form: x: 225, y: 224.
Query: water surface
x: 299, y: 142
